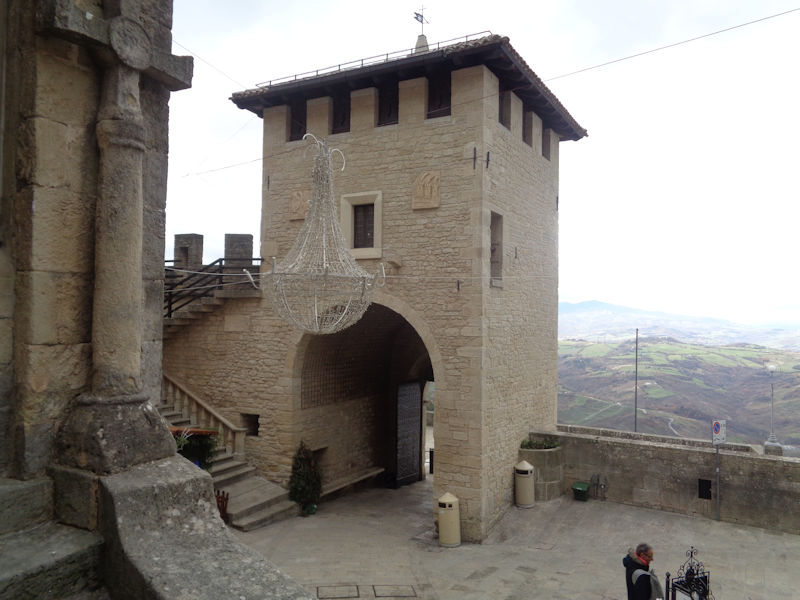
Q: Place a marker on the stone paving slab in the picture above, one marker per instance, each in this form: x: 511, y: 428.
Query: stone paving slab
x: 557, y: 549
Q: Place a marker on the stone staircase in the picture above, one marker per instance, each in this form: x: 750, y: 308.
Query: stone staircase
x: 202, y: 306
x: 186, y: 316
x: 253, y: 500
x: 40, y: 558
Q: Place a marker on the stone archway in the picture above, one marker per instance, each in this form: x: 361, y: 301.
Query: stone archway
x: 349, y: 384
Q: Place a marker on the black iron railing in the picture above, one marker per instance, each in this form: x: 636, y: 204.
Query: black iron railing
x: 692, y: 580
x: 184, y: 286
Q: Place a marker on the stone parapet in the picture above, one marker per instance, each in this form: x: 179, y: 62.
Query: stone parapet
x: 665, y: 473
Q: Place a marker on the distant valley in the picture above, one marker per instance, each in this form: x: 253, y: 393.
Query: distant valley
x: 691, y: 371
x: 599, y: 321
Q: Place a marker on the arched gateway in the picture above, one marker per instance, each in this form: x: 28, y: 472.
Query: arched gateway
x: 360, y: 398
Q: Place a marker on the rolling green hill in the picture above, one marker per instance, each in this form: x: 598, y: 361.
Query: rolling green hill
x: 682, y: 388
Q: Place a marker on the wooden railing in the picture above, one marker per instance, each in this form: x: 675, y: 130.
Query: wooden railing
x: 202, y: 415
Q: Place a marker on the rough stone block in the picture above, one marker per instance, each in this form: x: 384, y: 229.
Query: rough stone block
x: 50, y: 376
x: 66, y: 95
x: 58, y: 236
x: 163, y: 521
x: 24, y: 504
x: 55, y: 308
x: 76, y: 496
x: 33, y: 448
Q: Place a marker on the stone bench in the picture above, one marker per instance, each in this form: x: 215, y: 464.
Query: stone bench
x: 351, y: 479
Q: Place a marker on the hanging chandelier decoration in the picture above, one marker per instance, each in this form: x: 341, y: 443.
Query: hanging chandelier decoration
x: 319, y: 287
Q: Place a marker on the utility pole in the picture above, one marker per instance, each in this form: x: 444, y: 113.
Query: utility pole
x: 636, y: 386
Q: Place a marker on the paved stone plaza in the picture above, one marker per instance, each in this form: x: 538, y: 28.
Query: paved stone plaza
x: 377, y: 543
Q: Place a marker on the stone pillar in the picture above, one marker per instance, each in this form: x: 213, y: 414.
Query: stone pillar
x: 117, y: 319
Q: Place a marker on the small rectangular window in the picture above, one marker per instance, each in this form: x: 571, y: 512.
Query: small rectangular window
x: 545, y: 142
x: 388, y: 104
x: 504, y: 115
x: 364, y: 226
x: 250, y: 422
x: 438, y: 95
x: 496, y: 250
x: 297, y: 114
x: 704, y: 489
x: 527, y: 127
x: 341, y: 112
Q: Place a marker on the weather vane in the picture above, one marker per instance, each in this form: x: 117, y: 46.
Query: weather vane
x: 419, y: 16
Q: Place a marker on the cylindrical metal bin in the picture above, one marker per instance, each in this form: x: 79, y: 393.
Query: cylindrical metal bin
x: 449, y: 521
x: 523, y: 484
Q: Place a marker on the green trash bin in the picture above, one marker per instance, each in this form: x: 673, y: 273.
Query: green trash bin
x: 580, y: 491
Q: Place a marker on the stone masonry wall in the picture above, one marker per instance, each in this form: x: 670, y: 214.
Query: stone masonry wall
x: 757, y: 490
x: 432, y: 253
x: 51, y: 115
x: 520, y: 368
x: 6, y: 259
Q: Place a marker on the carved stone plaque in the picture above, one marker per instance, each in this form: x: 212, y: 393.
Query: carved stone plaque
x: 298, y: 204
x: 426, y: 191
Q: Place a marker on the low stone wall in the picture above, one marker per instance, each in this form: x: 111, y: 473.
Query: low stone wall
x: 662, y: 472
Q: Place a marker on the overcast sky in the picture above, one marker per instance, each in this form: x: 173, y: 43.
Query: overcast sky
x: 684, y: 198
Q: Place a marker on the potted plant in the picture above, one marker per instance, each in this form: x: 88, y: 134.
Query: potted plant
x: 196, y: 444
x: 305, y: 483
x: 544, y: 453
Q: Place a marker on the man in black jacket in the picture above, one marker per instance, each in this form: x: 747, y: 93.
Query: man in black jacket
x: 639, y: 588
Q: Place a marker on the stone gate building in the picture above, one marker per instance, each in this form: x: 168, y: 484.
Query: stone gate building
x: 451, y: 181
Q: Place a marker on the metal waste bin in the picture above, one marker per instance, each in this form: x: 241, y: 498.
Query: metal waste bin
x: 580, y: 491
x: 523, y: 484
x: 449, y: 521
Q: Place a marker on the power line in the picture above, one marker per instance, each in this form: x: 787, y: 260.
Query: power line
x: 598, y: 66
x: 694, y: 39
x: 201, y: 59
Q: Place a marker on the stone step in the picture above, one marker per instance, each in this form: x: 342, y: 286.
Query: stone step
x: 252, y: 495
x: 49, y: 562
x: 100, y: 594
x: 173, y: 322
x: 222, y: 467
x: 276, y: 512
x: 24, y: 504
x: 186, y: 313
x: 232, y: 476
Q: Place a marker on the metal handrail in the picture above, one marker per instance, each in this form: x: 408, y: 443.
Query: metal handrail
x: 201, y: 414
x: 180, y: 291
x: 371, y: 60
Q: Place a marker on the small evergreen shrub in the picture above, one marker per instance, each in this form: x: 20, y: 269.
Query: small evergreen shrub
x: 305, y: 483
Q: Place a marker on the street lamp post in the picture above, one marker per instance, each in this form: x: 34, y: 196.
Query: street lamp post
x: 772, y: 440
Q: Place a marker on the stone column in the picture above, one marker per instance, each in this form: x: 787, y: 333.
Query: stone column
x: 114, y: 426
x: 117, y: 310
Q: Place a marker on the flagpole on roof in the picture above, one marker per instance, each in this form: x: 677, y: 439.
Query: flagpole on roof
x: 420, y: 16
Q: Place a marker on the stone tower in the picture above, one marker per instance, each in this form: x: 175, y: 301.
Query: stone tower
x: 451, y: 182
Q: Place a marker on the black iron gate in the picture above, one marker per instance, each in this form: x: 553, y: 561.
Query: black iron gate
x: 409, y: 433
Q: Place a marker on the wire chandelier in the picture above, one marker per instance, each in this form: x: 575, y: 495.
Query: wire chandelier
x: 318, y: 287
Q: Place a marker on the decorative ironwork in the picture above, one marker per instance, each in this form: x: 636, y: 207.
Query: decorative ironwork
x: 692, y: 581
x: 318, y: 287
